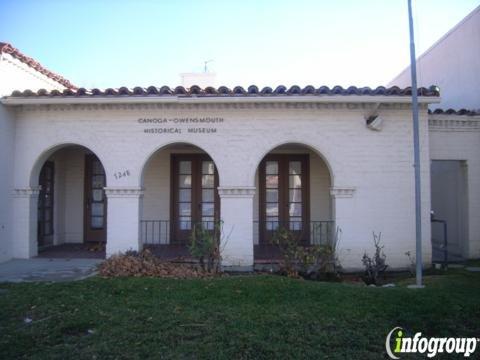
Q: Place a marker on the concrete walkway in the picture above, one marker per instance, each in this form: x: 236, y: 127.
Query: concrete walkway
x: 37, y: 269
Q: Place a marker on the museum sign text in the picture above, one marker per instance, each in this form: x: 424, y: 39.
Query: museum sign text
x: 176, y: 125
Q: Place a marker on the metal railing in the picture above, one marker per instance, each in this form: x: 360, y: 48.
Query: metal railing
x: 305, y: 232
x: 155, y: 232
x: 159, y: 232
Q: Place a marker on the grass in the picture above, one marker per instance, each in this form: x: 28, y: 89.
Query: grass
x: 240, y: 317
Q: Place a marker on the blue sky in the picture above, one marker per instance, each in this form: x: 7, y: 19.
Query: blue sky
x: 100, y: 43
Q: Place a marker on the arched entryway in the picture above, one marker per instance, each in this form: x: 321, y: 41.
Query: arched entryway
x: 71, y: 210
x: 293, y: 185
x: 180, y: 184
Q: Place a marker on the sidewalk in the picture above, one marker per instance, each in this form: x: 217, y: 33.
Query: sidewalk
x: 38, y: 269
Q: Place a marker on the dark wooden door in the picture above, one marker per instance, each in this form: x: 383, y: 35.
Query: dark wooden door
x: 195, y: 195
x: 284, y: 196
x: 95, y: 210
x: 45, y: 204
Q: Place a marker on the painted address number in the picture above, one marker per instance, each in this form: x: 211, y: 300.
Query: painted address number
x: 121, y: 174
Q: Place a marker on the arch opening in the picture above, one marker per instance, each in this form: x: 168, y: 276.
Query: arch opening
x: 298, y: 146
x: 180, y: 184
x: 71, y: 209
x: 293, y: 183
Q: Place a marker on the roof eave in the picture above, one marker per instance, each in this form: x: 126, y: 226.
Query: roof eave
x: 16, y: 101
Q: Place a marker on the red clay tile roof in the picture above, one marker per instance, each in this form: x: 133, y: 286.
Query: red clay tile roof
x: 9, y: 49
x: 454, y: 112
x: 223, y: 91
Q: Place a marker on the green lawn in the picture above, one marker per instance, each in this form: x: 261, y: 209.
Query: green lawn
x: 231, y: 317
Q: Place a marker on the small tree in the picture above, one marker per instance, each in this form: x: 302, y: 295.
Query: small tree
x: 288, y: 246
x: 376, y: 266
x: 205, y: 246
x: 320, y: 261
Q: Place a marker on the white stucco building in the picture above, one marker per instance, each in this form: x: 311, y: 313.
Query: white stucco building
x: 453, y: 63
x: 138, y: 167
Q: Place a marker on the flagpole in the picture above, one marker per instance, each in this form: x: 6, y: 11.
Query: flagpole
x: 416, y: 152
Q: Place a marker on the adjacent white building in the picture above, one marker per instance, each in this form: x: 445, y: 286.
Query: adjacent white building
x: 453, y: 63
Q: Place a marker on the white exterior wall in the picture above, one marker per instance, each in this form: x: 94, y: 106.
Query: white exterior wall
x: 156, y: 200
x: 7, y: 135
x: 372, y: 173
x: 320, y: 198
x: 454, y: 137
x: 14, y: 75
x: 452, y: 63
x: 69, y: 193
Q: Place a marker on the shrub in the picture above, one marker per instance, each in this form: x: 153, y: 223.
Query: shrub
x: 376, y: 266
x: 412, y: 266
x: 287, y: 245
x: 205, y: 246
x: 135, y: 253
x: 313, y: 262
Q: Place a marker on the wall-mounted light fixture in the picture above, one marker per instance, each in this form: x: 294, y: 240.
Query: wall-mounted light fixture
x: 374, y: 122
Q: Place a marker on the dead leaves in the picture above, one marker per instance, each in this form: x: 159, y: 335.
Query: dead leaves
x: 148, y: 265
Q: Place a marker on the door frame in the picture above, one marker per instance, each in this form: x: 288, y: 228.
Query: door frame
x: 40, y: 224
x: 196, y: 160
x: 455, y: 214
x: 100, y: 236
x: 283, y: 195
